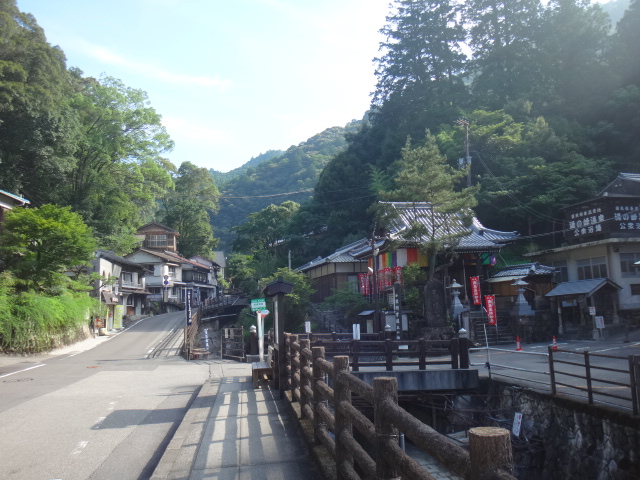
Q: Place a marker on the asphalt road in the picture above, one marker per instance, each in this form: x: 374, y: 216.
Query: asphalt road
x: 103, y: 413
x: 608, y: 359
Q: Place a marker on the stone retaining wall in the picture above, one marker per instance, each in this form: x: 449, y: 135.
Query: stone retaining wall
x: 570, y: 439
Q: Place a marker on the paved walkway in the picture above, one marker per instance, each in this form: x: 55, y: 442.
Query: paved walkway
x: 233, y: 431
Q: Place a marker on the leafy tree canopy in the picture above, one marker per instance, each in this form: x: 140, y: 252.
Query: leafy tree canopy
x: 39, y: 244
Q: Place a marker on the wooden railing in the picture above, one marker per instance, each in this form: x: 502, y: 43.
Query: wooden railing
x: 334, y: 418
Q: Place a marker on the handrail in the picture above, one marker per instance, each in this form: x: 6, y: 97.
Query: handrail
x: 590, y: 372
x: 308, y: 371
x: 632, y: 370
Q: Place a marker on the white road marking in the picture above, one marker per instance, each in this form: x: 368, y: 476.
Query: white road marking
x: 79, y: 447
x: 24, y: 370
x: 99, y: 422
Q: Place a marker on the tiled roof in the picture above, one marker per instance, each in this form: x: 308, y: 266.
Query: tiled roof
x: 525, y: 270
x: 471, y: 237
x: 112, y: 257
x: 344, y: 254
x: 581, y: 287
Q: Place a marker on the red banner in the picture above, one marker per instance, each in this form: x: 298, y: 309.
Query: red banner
x: 475, y: 290
x: 490, y: 303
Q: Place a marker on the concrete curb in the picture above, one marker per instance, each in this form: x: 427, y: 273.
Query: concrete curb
x: 178, y: 458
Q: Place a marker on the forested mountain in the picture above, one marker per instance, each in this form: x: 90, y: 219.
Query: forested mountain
x: 290, y: 176
x: 549, y: 91
x: 222, y: 177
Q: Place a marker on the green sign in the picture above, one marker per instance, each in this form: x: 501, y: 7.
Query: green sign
x: 258, y: 304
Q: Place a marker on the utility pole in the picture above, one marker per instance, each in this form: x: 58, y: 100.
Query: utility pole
x: 466, y: 161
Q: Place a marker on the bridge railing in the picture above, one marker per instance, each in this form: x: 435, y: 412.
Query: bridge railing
x: 389, y: 353
x: 334, y: 419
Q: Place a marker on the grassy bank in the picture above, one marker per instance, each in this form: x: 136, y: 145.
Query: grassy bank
x: 32, y: 322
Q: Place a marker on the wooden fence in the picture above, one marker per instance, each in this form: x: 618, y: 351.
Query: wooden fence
x: 379, y: 456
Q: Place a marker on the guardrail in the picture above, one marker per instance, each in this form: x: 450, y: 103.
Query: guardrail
x: 488, y: 364
x: 334, y: 418
x: 627, y: 368
x: 623, y: 373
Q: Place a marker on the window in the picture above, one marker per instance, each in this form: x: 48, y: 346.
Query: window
x: 627, y: 266
x: 172, y: 271
x: 156, y: 240
x: 127, y: 278
x: 589, y: 268
x: 562, y: 272
x: 635, y: 288
x: 129, y: 301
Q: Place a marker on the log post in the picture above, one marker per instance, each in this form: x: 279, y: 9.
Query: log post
x: 489, y: 451
x: 318, y: 376
x: 341, y: 393
x: 293, y: 354
x: 384, y: 389
x: 304, y: 380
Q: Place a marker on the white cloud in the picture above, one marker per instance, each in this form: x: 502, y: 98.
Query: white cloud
x: 181, y: 128
x: 106, y: 56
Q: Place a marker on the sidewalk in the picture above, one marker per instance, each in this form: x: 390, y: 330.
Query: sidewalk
x: 233, y: 431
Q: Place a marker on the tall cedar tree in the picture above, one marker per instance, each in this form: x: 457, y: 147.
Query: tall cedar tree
x: 424, y: 176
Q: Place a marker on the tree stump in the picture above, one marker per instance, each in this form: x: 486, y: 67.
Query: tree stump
x: 489, y: 450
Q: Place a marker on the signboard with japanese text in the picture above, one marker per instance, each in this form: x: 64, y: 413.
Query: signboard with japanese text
x: 603, y: 216
x: 258, y: 304
x: 187, y: 305
x: 490, y: 305
x: 475, y: 290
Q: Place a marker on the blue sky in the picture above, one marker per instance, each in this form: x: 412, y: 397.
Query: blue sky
x: 233, y: 78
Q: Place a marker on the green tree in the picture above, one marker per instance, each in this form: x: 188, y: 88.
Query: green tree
x: 347, y: 300
x: 265, y: 230
x: 118, y: 172
x: 422, y: 62
x: 502, y: 37
x: 625, y: 45
x: 36, y: 124
x: 424, y: 176
x: 189, y: 209
x: 297, y: 304
x: 38, y: 245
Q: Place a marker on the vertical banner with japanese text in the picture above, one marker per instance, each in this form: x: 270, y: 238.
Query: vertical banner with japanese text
x: 490, y: 304
x: 475, y: 290
x: 187, y: 305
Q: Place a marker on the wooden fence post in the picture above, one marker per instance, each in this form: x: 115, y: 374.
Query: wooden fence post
x: 293, y: 354
x: 552, y: 373
x: 634, y: 381
x: 304, y: 380
x: 355, y: 350
x: 318, y: 375
x: 489, y: 451
x: 587, y: 368
x: 384, y: 389
x: 341, y: 393
x: 422, y: 354
x: 455, y: 350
